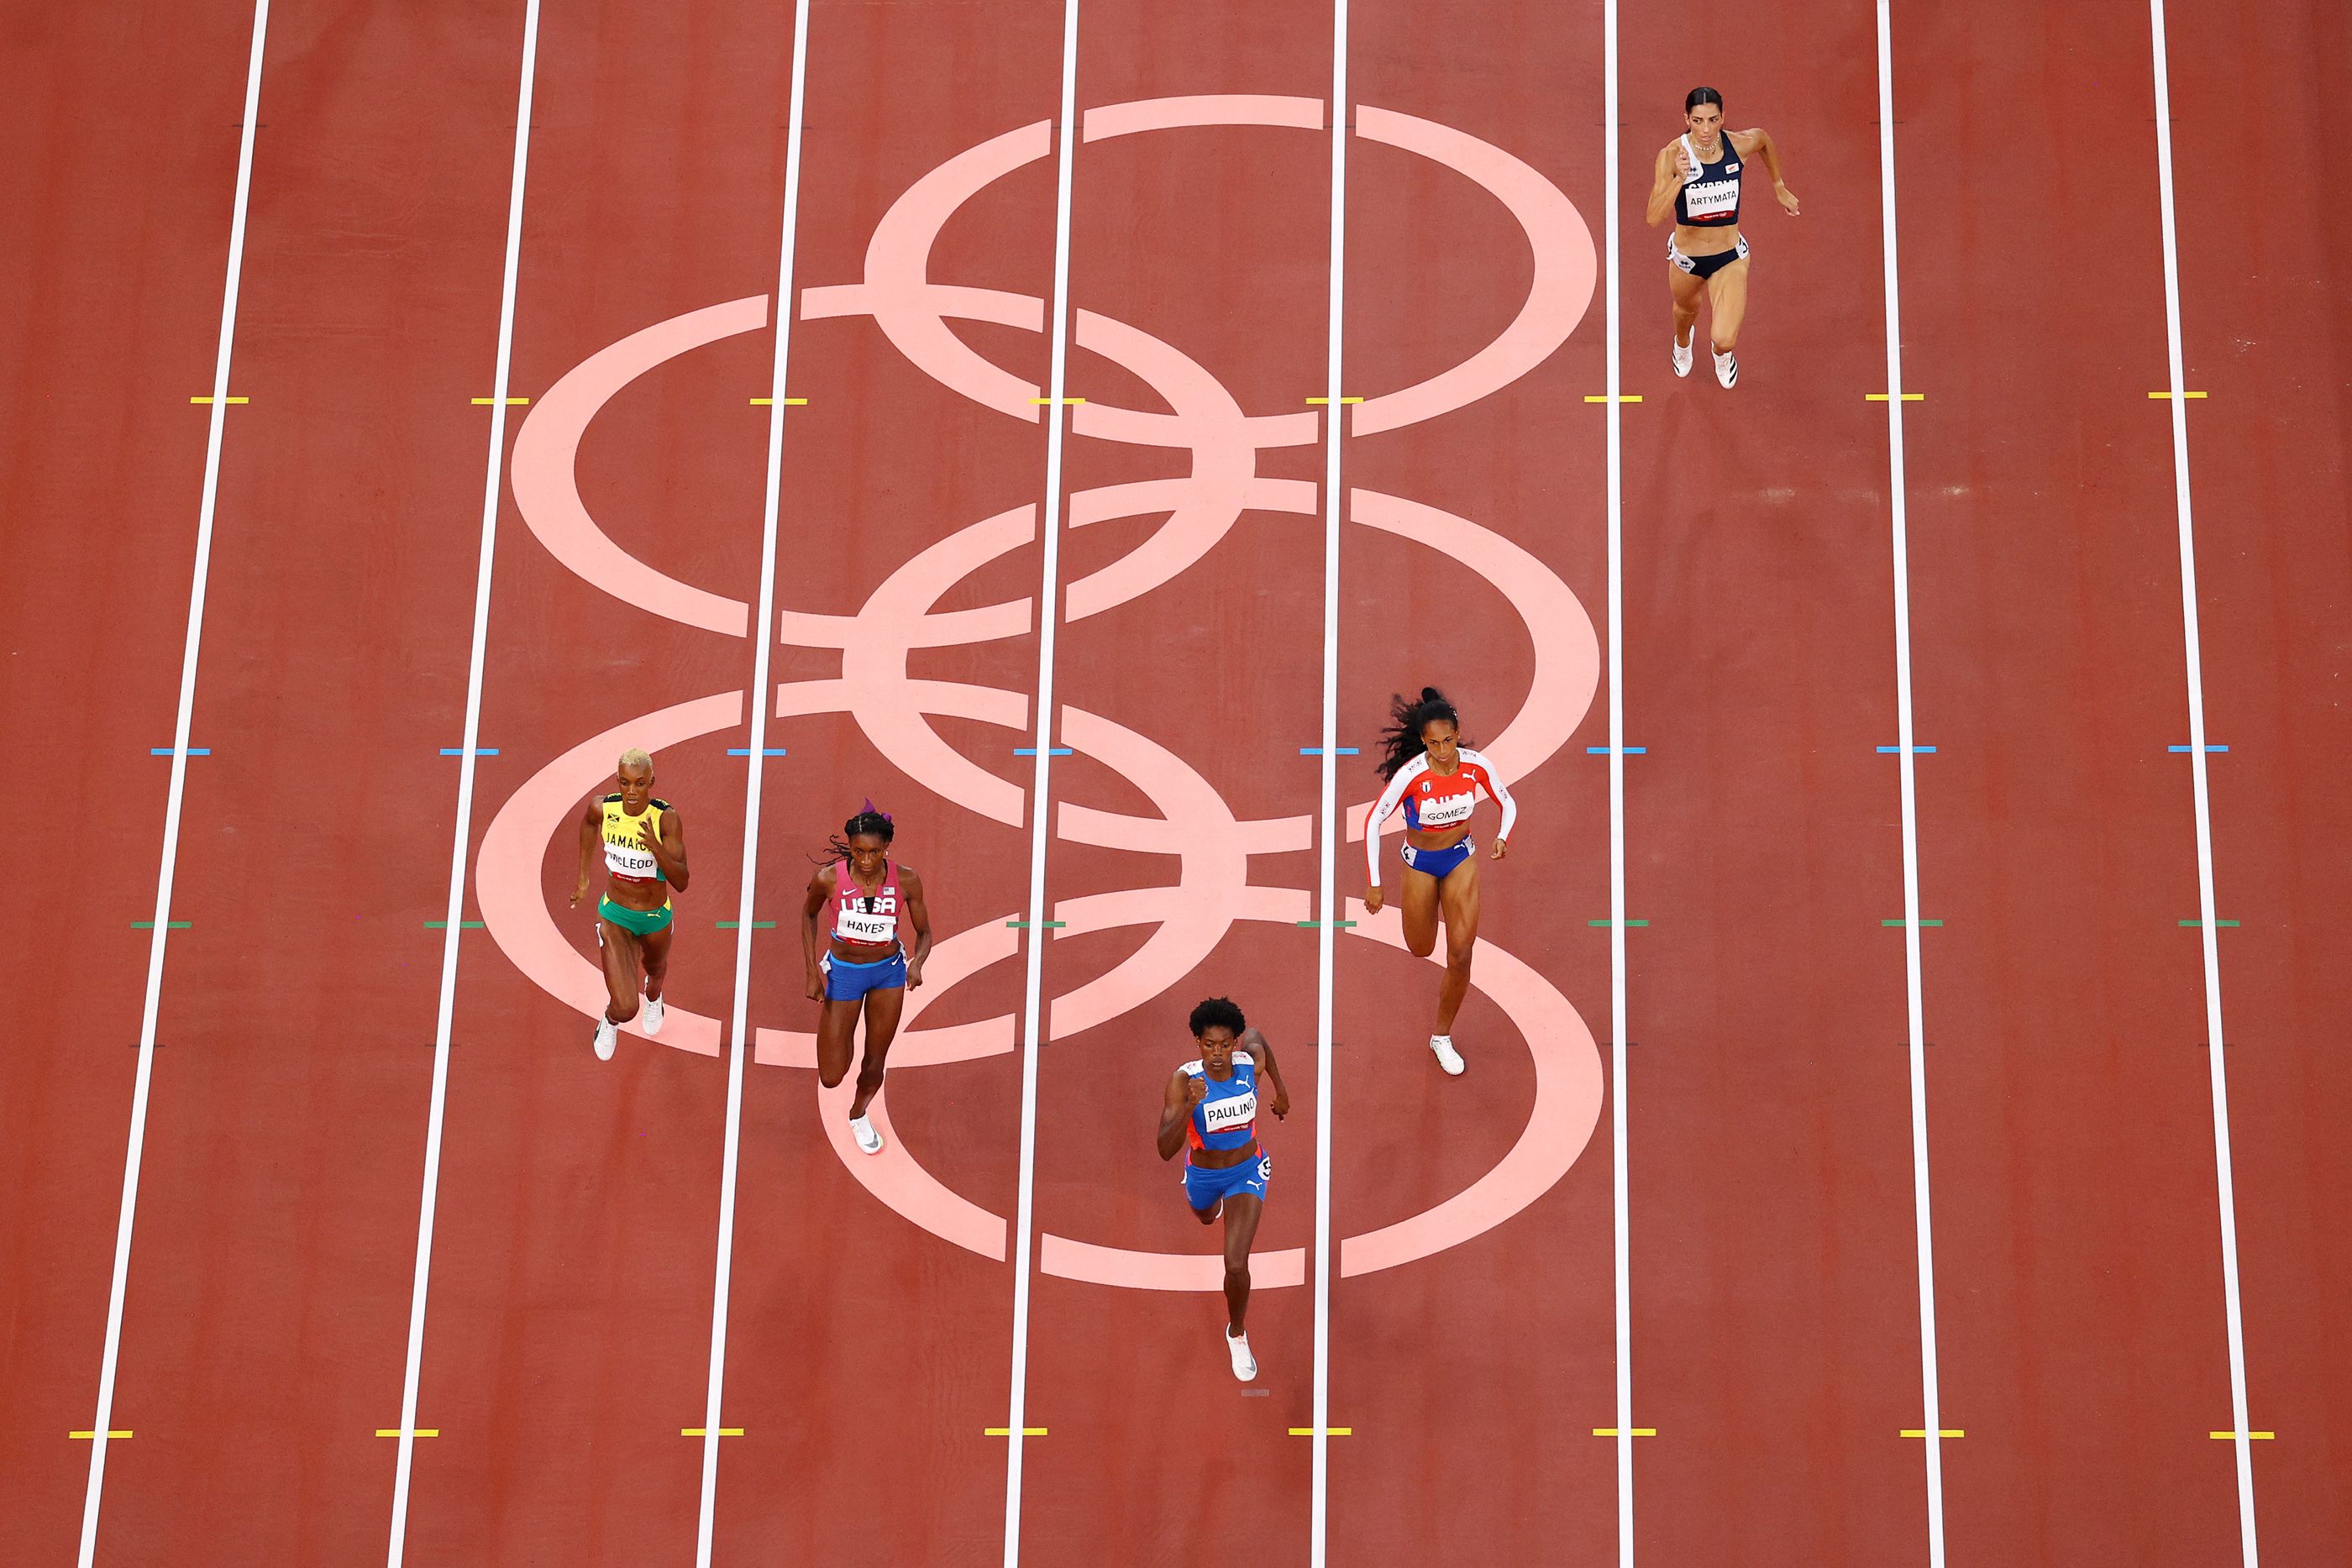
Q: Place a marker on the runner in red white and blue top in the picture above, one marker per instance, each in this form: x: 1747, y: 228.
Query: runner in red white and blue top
x: 1438, y: 781
x: 1211, y: 1113
x: 859, y: 963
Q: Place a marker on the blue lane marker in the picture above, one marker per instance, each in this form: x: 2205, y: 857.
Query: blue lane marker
x: 460, y: 751
x: 1917, y: 751
x: 1336, y: 752
x: 764, y: 751
x: 166, y: 751
x: 1032, y: 751
x: 2192, y: 749
x: 1630, y: 751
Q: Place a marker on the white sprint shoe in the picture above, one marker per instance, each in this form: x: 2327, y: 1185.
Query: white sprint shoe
x: 1726, y: 367
x: 869, y: 1139
x: 1682, y: 358
x: 1244, y: 1364
x: 607, y: 1037
x: 1447, y: 1057
x: 650, y: 1018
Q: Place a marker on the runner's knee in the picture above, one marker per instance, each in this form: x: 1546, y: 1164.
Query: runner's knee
x: 831, y: 1077
x: 623, y: 1008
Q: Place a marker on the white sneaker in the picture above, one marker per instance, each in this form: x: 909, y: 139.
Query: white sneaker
x: 1682, y: 357
x: 1447, y: 1057
x: 867, y: 1138
x: 1244, y: 1364
x: 607, y: 1037
x: 650, y: 1018
x: 1726, y: 367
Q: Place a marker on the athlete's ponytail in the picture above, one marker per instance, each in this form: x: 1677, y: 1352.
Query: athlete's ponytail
x: 1401, y: 742
x: 865, y: 822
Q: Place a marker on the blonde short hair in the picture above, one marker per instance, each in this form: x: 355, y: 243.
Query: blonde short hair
x: 635, y: 756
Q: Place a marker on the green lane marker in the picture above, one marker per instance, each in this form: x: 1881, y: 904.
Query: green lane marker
x: 1029, y: 924
x: 1335, y: 925
x: 2200, y: 923
x: 1899, y: 923
x: 738, y: 925
x: 444, y: 925
x: 168, y: 926
x: 1611, y: 923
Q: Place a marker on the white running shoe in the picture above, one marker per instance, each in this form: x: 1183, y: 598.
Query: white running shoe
x: 650, y: 1019
x: 1726, y: 367
x: 1244, y: 1364
x: 1682, y: 357
x: 867, y: 1138
x: 1447, y: 1057
x: 608, y: 1035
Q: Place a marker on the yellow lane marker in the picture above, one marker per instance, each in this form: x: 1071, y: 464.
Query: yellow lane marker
x: 224, y: 400
x: 1326, y: 401
x: 1044, y: 400
x: 2166, y: 396
x: 1907, y: 397
x: 705, y: 1431
x: 1007, y: 1431
x: 420, y: 1432
x: 511, y: 403
x: 1330, y: 1431
x: 1940, y: 1432
x: 111, y: 1436
x: 2251, y: 1436
x: 1603, y: 397
x: 771, y: 403
x: 1612, y: 1431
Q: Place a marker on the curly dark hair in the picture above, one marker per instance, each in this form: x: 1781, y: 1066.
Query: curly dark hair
x: 1401, y: 742
x: 868, y: 820
x: 1218, y: 1010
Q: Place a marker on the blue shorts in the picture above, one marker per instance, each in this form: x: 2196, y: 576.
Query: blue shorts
x: 847, y: 982
x: 1205, y: 1188
x: 1439, y: 863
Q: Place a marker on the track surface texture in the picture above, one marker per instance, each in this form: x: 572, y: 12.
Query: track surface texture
x: 244, y: 641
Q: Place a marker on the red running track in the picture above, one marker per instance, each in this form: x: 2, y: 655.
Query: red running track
x: 1774, y: 1331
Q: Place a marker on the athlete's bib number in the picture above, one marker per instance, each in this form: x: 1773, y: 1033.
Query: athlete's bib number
x: 871, y: 926
x: 1712, y: 199
x: 1236, y: 1111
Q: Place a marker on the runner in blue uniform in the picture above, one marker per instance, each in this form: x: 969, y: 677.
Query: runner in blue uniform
x: 1211, y: 1113
x: 1697, y: 180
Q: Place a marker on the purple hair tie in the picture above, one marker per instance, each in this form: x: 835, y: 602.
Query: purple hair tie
x: 871, y: 811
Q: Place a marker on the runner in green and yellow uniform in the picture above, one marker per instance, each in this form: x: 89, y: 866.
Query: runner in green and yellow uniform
x: 643, y: 840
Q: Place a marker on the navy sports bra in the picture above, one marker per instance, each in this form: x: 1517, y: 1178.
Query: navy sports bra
x: 1711, y: 199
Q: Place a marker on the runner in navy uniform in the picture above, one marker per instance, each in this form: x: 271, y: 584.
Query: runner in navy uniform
x: 1698, y: 180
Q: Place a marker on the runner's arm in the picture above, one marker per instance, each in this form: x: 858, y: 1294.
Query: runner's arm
x: 1383, y: 811
x: 669, y: 836
x: 592, y: 836
x: 919, y: 914
x: 1253, y: 1040
x: 1176, y: 1109
x: 1670, y: 178
x: 1761, y: 145
x: 820, y: 888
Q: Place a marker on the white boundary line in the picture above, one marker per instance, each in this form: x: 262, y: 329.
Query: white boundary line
x: 1327, y: 905
x: 461, y: 839
x: 1618, y: 1025
x: 764, y: 632
x: 2215, y: 1054
x: 1929, y: 1396
x: 109, y: 1358
x: 1049, y: 612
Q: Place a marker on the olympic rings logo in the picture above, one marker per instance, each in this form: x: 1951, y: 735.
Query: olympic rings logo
x: 1213, y: 849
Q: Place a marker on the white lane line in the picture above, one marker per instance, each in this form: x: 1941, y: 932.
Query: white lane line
x: 1326, y: 904
x: 107, y: 1361
x: 2216, y: 1056
x: 763, y: 636
x: 461, y: 839
x: 1049, y: 611
x: 1928, y: 1394
x: 1620, y: 1190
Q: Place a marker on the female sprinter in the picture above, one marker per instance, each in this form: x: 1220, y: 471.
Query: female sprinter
x: 645, y: 852
x: 865, y: 965
x: 1698, y: 180
x: 1438, y: 781
x: 1211, y: 1111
